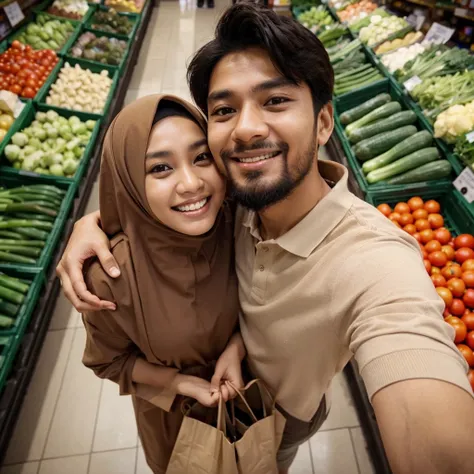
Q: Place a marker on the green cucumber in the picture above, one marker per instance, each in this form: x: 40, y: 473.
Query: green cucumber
x: 407, y: 117
x: 374, y: 77
x: 435, y: 170
x: 384, y: 111
x: 356, y: 113
x: 407, y: 163
x: 373, y: 146
x: 411, y: 144
x: 361, y: 68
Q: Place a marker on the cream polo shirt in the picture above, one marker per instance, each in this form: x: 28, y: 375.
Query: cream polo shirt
x: 344, y: 281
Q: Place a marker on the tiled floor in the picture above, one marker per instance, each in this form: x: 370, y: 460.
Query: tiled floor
x: 74, y: 423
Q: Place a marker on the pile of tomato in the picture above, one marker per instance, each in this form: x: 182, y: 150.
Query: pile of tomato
x: 448, y: 260
x: 23, y: 70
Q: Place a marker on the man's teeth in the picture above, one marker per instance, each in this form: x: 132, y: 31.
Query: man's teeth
x: 258, y: 158
x: 193, y: 207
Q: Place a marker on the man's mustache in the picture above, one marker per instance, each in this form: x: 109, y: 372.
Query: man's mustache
x: 226, y: 154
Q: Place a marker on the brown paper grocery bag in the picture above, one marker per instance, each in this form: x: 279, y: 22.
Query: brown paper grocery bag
x: 259, y: 427
x: 202, y: 446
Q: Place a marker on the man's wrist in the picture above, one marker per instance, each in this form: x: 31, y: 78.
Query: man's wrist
x: 237, y: 344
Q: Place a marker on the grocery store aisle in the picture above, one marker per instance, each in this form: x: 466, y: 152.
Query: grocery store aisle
x: 74, y: 423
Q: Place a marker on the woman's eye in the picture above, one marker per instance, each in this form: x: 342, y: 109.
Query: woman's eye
x: 277, y: 100
x: 223, y: 111
x: 204, y: 157
x: 160, y: 168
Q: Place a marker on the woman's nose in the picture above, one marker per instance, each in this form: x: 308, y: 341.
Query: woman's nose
x: 189, y: 182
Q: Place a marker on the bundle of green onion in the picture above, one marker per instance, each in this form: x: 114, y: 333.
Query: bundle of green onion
x: 27, y: 216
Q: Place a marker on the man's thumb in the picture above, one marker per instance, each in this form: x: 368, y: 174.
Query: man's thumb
x: 216, y: 382
x: 109, y: 263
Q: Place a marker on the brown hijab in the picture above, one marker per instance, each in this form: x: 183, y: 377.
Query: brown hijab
x: 181, y: 289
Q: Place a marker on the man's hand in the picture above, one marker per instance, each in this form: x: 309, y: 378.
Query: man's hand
x: 196, y: 388
x: 87, y: 240
x: 229, y: 368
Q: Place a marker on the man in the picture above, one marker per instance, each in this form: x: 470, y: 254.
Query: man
x: 322, y: 275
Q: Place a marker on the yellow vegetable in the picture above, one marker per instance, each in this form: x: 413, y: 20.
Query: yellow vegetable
x: 2, y: 134
x: 6, y: 121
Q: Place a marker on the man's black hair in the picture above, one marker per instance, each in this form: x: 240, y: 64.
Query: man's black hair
x: 296, y: 52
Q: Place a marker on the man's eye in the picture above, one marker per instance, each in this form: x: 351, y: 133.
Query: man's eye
x: 204, y: 157
x: 223, y: 111
x: 277, y: 100
x: 160, y: 168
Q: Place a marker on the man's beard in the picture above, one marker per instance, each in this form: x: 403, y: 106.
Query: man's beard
x: 257, y: 196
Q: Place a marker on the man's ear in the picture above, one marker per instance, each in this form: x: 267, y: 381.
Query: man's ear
x: 325, y: 123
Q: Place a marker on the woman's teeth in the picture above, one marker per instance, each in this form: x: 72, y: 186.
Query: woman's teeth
x: 258, y: 158
x: 193, y: 207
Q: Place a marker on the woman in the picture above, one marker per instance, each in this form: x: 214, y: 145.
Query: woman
x: 177, y: 302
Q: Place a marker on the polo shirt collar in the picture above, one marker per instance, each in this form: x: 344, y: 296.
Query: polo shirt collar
x: 305, y: 236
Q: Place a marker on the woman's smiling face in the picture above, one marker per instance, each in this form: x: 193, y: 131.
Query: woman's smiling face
x: 183, y: 186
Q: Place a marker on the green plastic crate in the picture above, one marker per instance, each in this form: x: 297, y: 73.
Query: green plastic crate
x: 94, y: 67
x: 345, y: 103
x: 27, y: 119
x: 66, y: 45
x: 7, y: 357
x: 133, y: 17
x: 14, y: 128
x: 458, y: 218
x: 37, y: 281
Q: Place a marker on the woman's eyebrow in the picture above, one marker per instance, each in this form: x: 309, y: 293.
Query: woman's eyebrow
x: 158, y: 154
x: 197, y: 144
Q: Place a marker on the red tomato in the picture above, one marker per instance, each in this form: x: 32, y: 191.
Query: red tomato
x: 31, y: 83
x: 426, y: 235
x: 470, y: 339
x: 410, y: 228
x: 468, y: 297
x: 402, y: 208
x: 446, y: 313
x: 467, y: 353
x: 423, y: 224
x: 427, y: 265
x: 457, y: 307
x: 457, y: 287
x: 468, y: 265
x: 394, y: 216
x: 449, y: 251
x: 435, y: 270
x: 464, y: 240
x: 432, y: 206
x: 415, y: 203
x: 417, y: 236
x: 405, y: 219
x: 432, y: 245
x: 28, y: 93
x: 459, y: 327
x: 23, y: 74
x: 438, y: 279
x: 438, y: 259
x: 436, y: 220
x: 470, y: 377
x: 17, y: 45
x: 463, y: 254
x: 16, y: 68
x: 468, y: 320
x: 468, y: 278
x: 446, y: 295
x: 15, y: 88
x: 420, y: 214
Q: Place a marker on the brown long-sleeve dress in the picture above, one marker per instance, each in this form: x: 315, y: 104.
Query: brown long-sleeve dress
x: 190, y: 344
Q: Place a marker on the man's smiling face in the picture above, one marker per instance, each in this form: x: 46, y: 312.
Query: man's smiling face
x: 262, y: 128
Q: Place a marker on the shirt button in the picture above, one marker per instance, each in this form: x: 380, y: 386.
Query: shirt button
x: 261, y: 268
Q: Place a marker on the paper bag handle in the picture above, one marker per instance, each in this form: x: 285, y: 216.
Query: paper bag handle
x: 241, y: 396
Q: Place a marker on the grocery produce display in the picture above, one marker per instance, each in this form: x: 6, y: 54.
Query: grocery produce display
x: 390, y: 146
x: 448, y: 259
x: 454, y: 122
x: 46, y: 33
x: 112, y: 22
x: 23, y: 71
x: 397, y: 43
x: 51, y: 144
x: 99, y: 48
x: 127, y: 6
x: 10, y: 108
x: 27, y: 218
x: 315, y: 18
x: 74, y: 9
x: 80, y: 89
x: 355, y: 11
x: 397, y: 59
x: 382, y: 28
x: 13, y: 292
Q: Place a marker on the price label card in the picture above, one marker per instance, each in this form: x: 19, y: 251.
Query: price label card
x: 18, y: 108
x: 14, y: 13
x: 470, y: 136
x: 439, y: 34
x: 412, y: 83
x: 464, y: 183
x: 462, y: 12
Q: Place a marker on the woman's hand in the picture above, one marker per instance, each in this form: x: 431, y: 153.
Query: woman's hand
x: 87, y: 240
x: 196, y: 388
x: 229, y: 368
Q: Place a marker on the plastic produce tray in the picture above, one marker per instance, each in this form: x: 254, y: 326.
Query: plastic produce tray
x: 99, y: 34
x: 458, y: 218
x: 345, y: 103
x: 94, y: 67
x: 133, y: 17
x: 45, y: 5
x: 53, y: 237
x: 27, y: 119
x: 67, y: 44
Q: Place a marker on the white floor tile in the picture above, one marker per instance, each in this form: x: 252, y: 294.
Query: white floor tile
x: 116, y: 424
x: 74, y: 420
x: 29, y: 438
x: 28, y: 468
x: 343, y: 413
x: 114, y: 462
x: 302, y: 463
x: 362, y: 454
x: 142, y: 466
x: 64, y: 316
x: 68, y: 465
x: 148, y: 75
x: 93, y: 204
x: 332, y: 453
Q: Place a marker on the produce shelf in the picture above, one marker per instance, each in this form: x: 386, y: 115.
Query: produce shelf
x: 24, y: 363
x: 133, y: 17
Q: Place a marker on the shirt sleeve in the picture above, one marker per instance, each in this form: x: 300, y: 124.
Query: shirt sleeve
x: 394, y: 325
x: 112, y: 354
